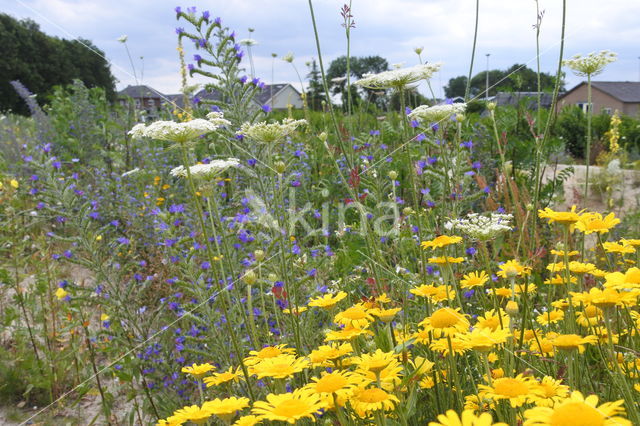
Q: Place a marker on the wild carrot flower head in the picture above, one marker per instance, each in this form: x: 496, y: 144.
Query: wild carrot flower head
x: 482, y: 227
x: 270, y: 133
x: 398, y: 78
x: 591, y: 64
x: 437, y: 113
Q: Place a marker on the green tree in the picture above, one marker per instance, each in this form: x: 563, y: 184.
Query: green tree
x: 315, y: 92
x: 517, y: 78
x: 41, y: 62
x: 337, y: 72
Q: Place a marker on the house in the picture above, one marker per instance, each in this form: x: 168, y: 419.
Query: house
x: 514, y: 99
x: 606, y: 97
x: 277, y: 96
x: 146, y: 99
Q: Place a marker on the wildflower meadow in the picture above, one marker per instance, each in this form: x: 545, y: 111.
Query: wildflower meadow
x: 354, y: 263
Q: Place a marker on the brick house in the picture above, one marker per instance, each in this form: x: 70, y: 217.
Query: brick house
x: 146, y: 99
x: 606, y: 97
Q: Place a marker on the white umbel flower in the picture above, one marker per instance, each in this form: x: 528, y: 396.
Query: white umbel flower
x: 270, y: 132
x: 399, y: 78
x: 179, y: 132
x: 482, y: 227
x: 592, y: 64
x: 436, y: 113
x: 131, y: 172
x: 214, y: 168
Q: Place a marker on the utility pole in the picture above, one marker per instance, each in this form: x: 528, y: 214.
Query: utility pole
x: 486, y: 93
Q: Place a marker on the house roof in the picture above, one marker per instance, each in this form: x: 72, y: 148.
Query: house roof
x: 261, y: 98
x: 513, y: 98
x: 624, y: 91
x: 140, y: 91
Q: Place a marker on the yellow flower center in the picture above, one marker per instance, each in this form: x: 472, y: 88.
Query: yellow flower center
x: 576, y: 413
x: 291, y: 408
x: 269, y: 352
x: 510, y: 387
x: 331, y: 384
x: 373, y: 395
x: 445, y: 317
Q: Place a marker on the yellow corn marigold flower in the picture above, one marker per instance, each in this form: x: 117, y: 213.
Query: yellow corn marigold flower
x: 630, y: 242
x: 550, y: 317
x: 14, y: 183
x: 356, y: 316
x: 607, y: 297
x: 571, y: 342
x: 561, y: 304
x: 468, y: 418
x: 589, y: 317
x: 517, y: 390
x: 385, y: 315
x: 503, y: 292
x: 422, y: 366
x: 61, y: 293
x: 474, y: 279
x: 560, y: 253
x: 553, y: 392
x: 580, y: 268
x: 458, y: 346
x: 578, y: 410
x: 171, y: 421
x: 594, y: 222
x: 198, y: 370
x: 560, y: 280
x: 426, y: 382
x: 512, y: 268
x: 485, y: 339
x: 326, y: 353
x: 618, y: 280
x: 445, y: 322
x: 249, y: 420
x: 376, y: 361
x: 219, y: 378
x: 621, y: 248
x: 441, y: 241
x: 268, y: 352
x: 530, y: 287
x: 194, y: 413
x: 543, y: 346
x: 442, y: 260
x: 335, y: 387
x: 288, y: 407
x: 366, y: 401
x: 294, y: 311
x: 280, y: 367
x: 493, y: 320
x: 434, y: 293
x: 562, y: 218
x: 327, y: 301
x: 226, y: 408
x: 346, y: 333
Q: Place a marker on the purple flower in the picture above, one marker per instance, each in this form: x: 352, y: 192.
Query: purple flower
x: 179, y: 30
x: 205, y: 15
x: 197, y: 58
x: 178, y: 9
x: 123, y: 240
x: 374, y: 132
x: 420, y: 137
x: 266, y: 108
x: 205, y: 265
x: 476, y: 165
x: 467, y: 144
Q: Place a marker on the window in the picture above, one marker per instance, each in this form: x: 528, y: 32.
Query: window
x: 606, y: 111
x: 584, y: 106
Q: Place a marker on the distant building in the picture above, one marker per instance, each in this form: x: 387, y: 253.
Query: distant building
x: 606, y: 97
x: 276, y: 96
x: 146, y: 99
x: 531, y: 99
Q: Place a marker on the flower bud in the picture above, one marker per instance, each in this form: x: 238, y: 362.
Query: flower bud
x: 249, y: 277
x: 393, y: 175
x: 491, y: 106
x: 512, y: 308
x: 272, y: 277
x: 280, y: 167
x: 259, y: 254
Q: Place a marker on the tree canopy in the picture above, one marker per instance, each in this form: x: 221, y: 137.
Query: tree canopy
x: 358, y: 67
x: 41, y: 62
x: 518, y: 78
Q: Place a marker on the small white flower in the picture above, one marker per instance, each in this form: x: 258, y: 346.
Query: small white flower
x: 270, y: 132
x: 482, y: 227
x: 122, y: 38
x: 214, y: 168
x: 131, y: 172
x: 592, y: 64
x: 437, y: 113
x: 288, y: 57
x: 248, y: 42
x: 399, y: 78
x: 179, y: 132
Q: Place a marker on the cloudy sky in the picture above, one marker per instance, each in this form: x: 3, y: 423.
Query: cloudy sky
x: 389, y: 28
